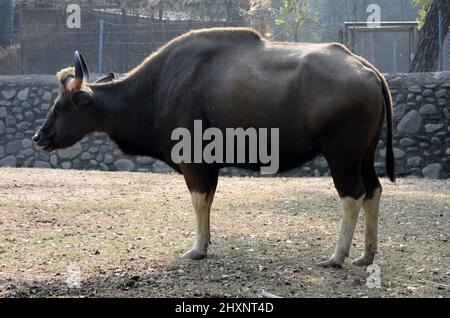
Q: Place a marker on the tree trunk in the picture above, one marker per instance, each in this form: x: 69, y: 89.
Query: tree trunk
x: 427, y: 55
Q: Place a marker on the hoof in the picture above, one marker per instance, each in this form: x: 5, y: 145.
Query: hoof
x: 194, y: 255
x: 331, y: 263
x: 363, y: 261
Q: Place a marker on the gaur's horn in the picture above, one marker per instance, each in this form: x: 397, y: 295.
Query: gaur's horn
x: 84, y: 67
x: 81, y: 72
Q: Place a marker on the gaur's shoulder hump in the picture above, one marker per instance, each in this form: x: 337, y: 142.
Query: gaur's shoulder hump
x: 235, y: 35
x: 246, y: 34
x: 226, y: 35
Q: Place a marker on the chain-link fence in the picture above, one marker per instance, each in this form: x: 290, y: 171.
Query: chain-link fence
x: 110, y: 39
x: 39, y: 40
x: 446, y: 54
x: 390, y: 45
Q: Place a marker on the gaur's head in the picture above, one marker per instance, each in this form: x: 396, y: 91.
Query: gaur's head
x: 73, y: 113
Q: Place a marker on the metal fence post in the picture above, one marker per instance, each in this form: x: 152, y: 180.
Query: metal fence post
x: 441, y: 45
x: 100, y: 46
x: 21, y: 41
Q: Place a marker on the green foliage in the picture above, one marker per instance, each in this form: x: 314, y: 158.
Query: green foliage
x: 298, y: 8
x: 426, y: 4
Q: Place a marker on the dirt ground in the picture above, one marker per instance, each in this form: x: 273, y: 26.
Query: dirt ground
x: 122, y: 235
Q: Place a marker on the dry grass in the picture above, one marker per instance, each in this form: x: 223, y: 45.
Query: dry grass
x: 126, y: 231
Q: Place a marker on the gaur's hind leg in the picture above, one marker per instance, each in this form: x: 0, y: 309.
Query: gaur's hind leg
x: 371, y: 205
x: 347, y: 178
x: 202, y: 185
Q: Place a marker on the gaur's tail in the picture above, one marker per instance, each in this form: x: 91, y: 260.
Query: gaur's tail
x: 390, y: 160
x: 387, y: 101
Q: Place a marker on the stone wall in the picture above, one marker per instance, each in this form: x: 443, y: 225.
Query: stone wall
x: 421, y: 140
x: 422, y: 122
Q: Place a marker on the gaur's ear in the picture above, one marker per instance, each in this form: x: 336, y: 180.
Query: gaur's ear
x: 81, y: 98
x: 106, y: 78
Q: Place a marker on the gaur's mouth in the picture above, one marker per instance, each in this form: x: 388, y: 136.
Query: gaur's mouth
x: 45, y: 142
x: 48, y: 148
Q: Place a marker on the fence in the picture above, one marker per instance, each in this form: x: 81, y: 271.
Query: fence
x: 390, y: 45
x: 118, y: 43
x: 46, y: 44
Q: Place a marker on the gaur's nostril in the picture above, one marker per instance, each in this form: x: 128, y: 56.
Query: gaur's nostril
x: 36, y: 137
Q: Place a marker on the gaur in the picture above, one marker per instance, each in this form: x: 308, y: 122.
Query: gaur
x: 323, y: 99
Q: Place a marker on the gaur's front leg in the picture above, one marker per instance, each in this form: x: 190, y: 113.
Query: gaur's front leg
x: 202, y: 183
